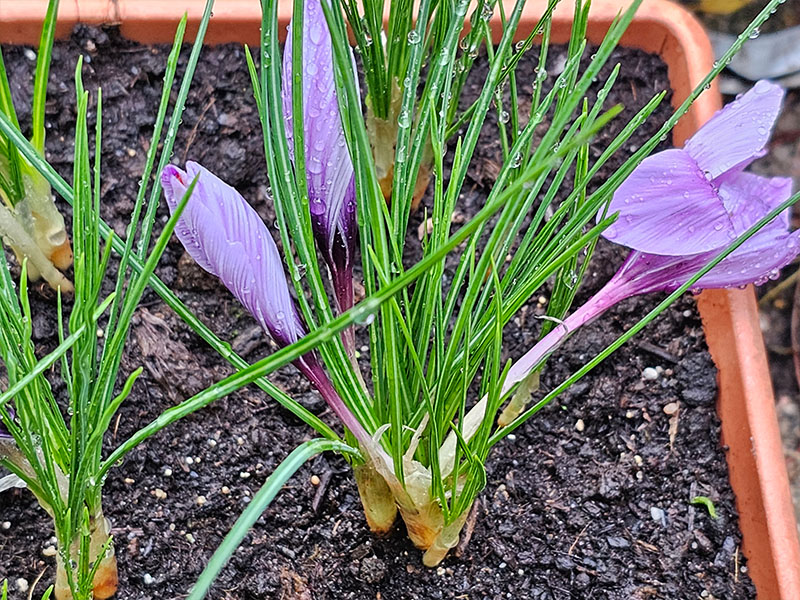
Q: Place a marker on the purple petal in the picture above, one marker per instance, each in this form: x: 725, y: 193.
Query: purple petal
x: 226, y: 237
x: 329, y: 170
x: 737, y: 134
x: 755, y: 261
x: 667, y: 206
x: 747, y: 198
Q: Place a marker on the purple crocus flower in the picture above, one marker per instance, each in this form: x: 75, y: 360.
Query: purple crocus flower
x: 226, y: 237
x: 329, y: 170
x: 681, y: 207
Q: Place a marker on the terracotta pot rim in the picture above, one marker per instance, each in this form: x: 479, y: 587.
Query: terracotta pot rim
x: 746, y: 403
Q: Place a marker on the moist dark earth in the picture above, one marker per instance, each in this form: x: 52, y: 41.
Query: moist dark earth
x: 589, y: 499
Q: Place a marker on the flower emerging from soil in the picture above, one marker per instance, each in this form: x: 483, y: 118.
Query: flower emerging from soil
x: 226, y: 237
x: 329, y: 170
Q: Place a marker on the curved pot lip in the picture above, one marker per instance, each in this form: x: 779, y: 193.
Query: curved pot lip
x: 730, y: 318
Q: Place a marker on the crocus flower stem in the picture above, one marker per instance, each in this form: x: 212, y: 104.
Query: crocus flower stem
x: 612, y: 293
x: 315, y: 373
x: 343, y: 287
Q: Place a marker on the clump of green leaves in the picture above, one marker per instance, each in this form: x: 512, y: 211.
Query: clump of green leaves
x: 59, y: 458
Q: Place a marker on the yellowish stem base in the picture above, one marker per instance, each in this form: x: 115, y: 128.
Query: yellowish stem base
x: 447, y: 539
x: 380, y: 508
x: 105, y: 580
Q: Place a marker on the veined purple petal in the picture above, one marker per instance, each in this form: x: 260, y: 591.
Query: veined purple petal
x: 737, y: 134
x: 667, y: 206
x: 696, y: 199
x: 226, y: 237
x: 329, y: 170
x: 748, y: 197
x: 759, y: 258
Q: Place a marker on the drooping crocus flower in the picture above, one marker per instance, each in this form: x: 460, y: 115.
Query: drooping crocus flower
x: 681, y: 207
x: 329, y: 170
x: 676, y: 211
x: 226, y: 237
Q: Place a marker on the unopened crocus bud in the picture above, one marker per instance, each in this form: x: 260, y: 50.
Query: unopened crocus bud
x: 226, y: 237
x: 329, y: 170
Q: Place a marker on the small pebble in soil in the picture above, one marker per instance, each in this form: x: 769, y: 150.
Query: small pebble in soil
x: 167, y: 472
x: 671, y: 408
x: 244, y: 474
x: 314, y: 480
x: 373, y: 569
x: 22, y: 584
x: 225, y: 490
x: 580, y: 425
x: 650, y: 374
x: 201, y: 500
x: 159, y: 493
x: 6, y: 525
x: 658, y: 515
x: 129, y: 481
x: 148, y: 579
x: 617, y: 542
x: 189, y: 538
x: 49, y: 551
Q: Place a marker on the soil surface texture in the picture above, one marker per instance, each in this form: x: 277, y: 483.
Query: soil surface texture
x: 592, y: 498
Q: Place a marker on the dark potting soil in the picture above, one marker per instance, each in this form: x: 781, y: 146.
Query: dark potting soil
x: 590, y: 499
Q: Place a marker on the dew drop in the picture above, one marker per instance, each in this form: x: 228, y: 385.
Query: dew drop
x: 404, y: 120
